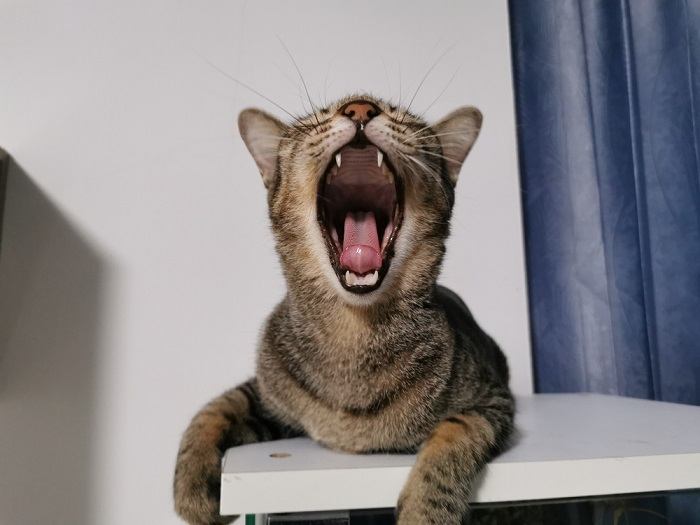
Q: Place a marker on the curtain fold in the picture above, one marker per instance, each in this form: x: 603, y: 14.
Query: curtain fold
x: 608, y: 101
x: 608, y: 107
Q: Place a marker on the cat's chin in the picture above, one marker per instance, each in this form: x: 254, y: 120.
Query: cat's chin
x: 359, y: 212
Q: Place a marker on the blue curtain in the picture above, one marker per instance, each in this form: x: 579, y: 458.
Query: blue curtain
x: 608, y: 107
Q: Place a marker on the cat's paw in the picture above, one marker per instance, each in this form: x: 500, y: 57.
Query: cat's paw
x: 197, y: 484
x: 421, y: 504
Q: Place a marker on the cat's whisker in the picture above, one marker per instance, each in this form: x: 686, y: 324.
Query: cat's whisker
x: 438, y: 155
x: 436, y: 135
x: 418, y: 131
x: 291, y: 80
x: 449, y: 82
x: 254, y: 91
x: 425, y: 77
x: 301, y: 77
x: 428, y: 171
x: 302, y: 101
x: 420, y: 163
x: 325, y: 84
x: 414, y: 161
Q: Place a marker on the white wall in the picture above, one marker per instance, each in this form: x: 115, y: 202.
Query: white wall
x: 126, y: 300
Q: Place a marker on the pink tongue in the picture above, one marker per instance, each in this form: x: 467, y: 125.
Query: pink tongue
x: 360, y: 243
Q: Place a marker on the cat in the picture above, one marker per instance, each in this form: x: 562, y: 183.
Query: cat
x: 366, y: 352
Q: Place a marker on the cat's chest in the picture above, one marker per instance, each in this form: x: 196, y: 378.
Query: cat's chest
x: 393, y: 425
x: 352, y: 380
x: 358, y: 409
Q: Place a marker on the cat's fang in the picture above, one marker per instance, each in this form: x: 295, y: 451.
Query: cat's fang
x: 380, y: 158
x: 337, y: 159
x: 372, y: 278
x: 350, y: 278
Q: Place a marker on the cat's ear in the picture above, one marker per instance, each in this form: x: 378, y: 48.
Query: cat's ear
x: 262, y: 134
x: 457, y: 133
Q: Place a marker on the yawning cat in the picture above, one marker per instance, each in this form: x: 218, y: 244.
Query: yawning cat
x: 365, y: 353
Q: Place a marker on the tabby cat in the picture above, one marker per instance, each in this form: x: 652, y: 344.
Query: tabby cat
x: 366, y: 352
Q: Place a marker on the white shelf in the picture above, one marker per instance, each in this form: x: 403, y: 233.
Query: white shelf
x: 567, y: 445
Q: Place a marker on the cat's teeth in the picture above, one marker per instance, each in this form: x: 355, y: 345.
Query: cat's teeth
x: 380, y: 158
x: 352, y: 279
x: 371, y: 279
x: 337, y: 159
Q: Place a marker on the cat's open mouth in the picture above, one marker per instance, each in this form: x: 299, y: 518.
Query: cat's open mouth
x: 360, y: 209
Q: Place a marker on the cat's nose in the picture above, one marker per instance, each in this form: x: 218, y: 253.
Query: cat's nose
x: 360, y: 111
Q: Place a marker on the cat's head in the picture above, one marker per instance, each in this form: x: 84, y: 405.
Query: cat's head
x: 360, y: 194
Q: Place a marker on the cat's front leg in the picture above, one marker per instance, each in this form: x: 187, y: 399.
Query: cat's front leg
x: 438, y: 488
x: 234, y: 418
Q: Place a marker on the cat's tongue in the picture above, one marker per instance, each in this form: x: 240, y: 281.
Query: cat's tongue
x: 361, y: 243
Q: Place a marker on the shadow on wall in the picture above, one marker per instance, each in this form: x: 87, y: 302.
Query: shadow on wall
x: 51, y: 289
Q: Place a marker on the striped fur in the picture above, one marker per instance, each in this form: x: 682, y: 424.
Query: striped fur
x: 403, y: 368
x: 234, y: 418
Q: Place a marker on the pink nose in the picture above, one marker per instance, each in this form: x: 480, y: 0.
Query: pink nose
x: 360, y: 111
